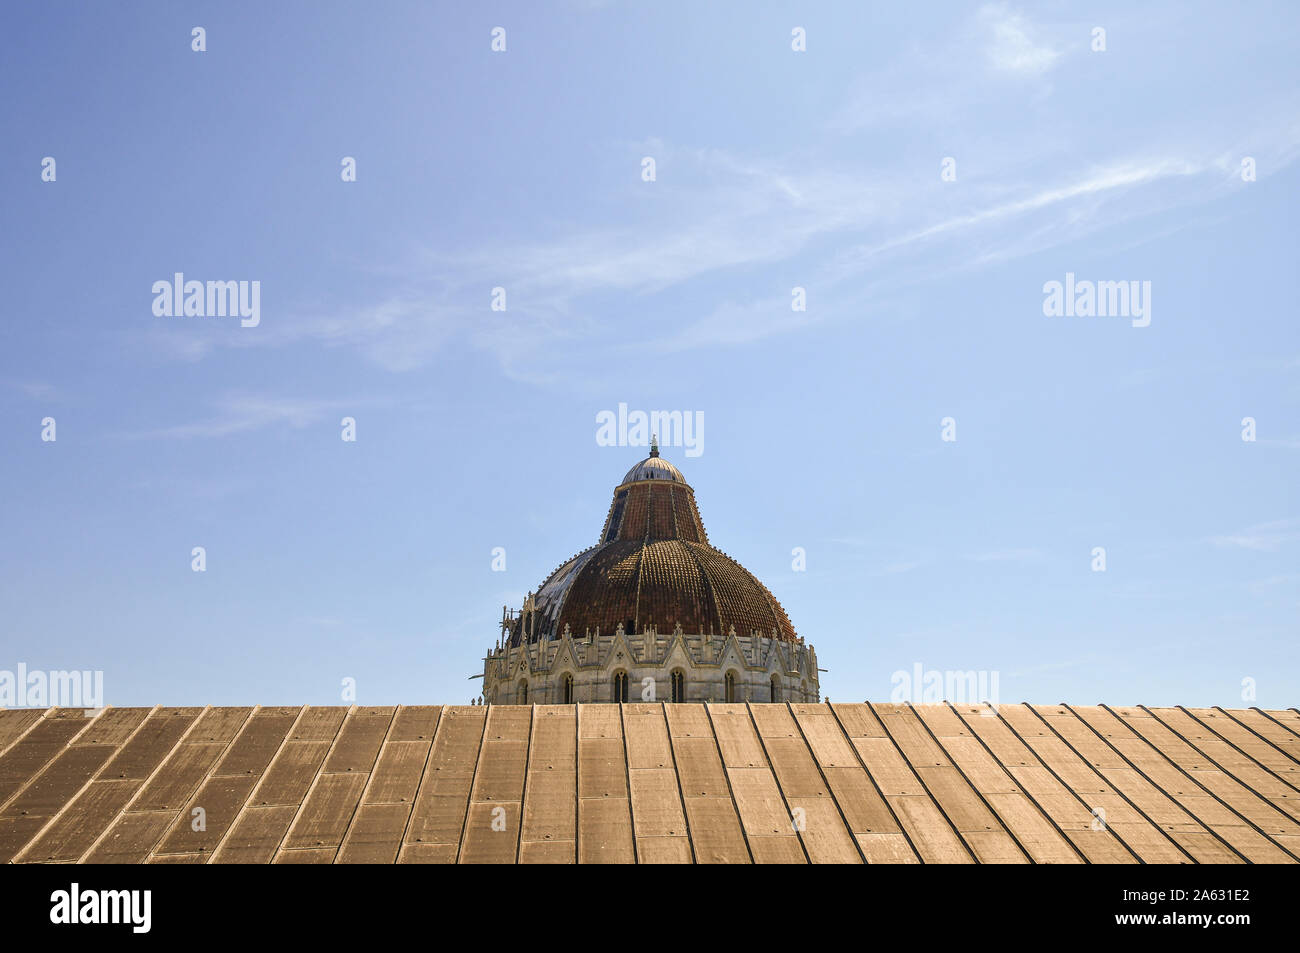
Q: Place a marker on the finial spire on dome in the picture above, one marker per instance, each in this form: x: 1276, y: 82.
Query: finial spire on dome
x: 654, y: 445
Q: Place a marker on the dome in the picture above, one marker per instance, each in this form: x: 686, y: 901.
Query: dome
x: 652, y: 565
x: 654, y: 467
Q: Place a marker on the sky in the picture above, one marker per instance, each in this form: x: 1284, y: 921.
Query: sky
x: 921, y: 172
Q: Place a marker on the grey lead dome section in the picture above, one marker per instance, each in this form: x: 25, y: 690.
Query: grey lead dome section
x: 654, y: 467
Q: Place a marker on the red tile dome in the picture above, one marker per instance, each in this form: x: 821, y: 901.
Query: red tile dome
x: 654, y: 566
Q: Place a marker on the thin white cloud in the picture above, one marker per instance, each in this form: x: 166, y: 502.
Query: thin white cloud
x: 1015, y: 45
x: 1262, y: 537
x: 243, y: 413
x: 1008, y: 555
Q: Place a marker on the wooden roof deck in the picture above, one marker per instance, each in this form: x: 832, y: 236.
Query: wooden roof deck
x: 651, y: 783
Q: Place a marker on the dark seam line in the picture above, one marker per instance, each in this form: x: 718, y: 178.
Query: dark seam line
x: 726, y: 776
x: 925, y: 787
x: 789, y: 813
x: 962, y: 774
x: 672, y: 753
x: 1192, y: 745
x: 1114, y: 787
x: 1228, y: 741
x: 1167, y: 796
x: 1191, y: 777
x: 1268, y: 741
x: 415, y: 798
x: 469, y: 798
x: 627, y: 775
x: 1077, y: 796
x: 825, y: 780
x: 1012, y: 778
x: 881, y: 794
x: 370, y: 777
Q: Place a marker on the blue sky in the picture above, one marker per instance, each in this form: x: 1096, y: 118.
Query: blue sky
x: 476, y: 428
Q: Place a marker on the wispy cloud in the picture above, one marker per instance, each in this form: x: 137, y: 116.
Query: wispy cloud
x: 1015, y: 45
x: 1008, y: 555
x: 1263, y: 537
x: 243, y: 413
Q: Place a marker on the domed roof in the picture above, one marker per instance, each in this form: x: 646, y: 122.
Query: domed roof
x: 654, y: 566
x: 654, y: 467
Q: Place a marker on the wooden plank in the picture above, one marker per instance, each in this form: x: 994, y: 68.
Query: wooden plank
x: 1254, y: 747
x: 192, y: 858
x: 1281, y: 738
x: 931, y: 834
x: 252, y: 751
x: 892, y: 774
x: 761, y: 808
x: 375, y: 836
x: 15, y: 722
x: 714, y: 825
x: 256, y: 835
x: 1185, y: 788
x: 859, y: 721
x: 1087, y: 787
x: 131, y: 838
x: 84, y: 819
x: 1288, y: 718
x: 551, y: 793
x: 290, y: 775
x: 58, y: 782
x: 737, y: 739
x: 814, y: 813
x: 358, y: 742
x: 221, y: 800
x: 864, y: 809
x: 38, y: 747
x: 1228, y: 759
x: 546, y: 852
x: 415, y: 723
x: 428, y: 853
x: 179, y: 777
x: 913, y: 740
x: 656, y: 805
x: 442, y: 802
x: 1242, y: 799
x: 1035, y: 833
x: 647, y: 737
x: 491, y: 833
x: 218, y: 725
x: 141, y: 755
x: 885, y: 848
x: 16, y: 833
x: 604, y: 807
x: 663, y: 850
x: 602, y: 771
x: 325, y: 815
x: 716, y: 836
x: 658, y: 817
x: 492, y: 826
x: 319, y: 724
x: 777, y: 849
x: 113, y: 727
x: 604, y: 831
x: 310, y: 855
x: 1017, y: 812
x: 830, y: 746
x: 397, y: 773
x: 964, y: 808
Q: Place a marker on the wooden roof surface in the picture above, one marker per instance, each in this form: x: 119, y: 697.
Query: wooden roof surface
x: 651, y: 783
